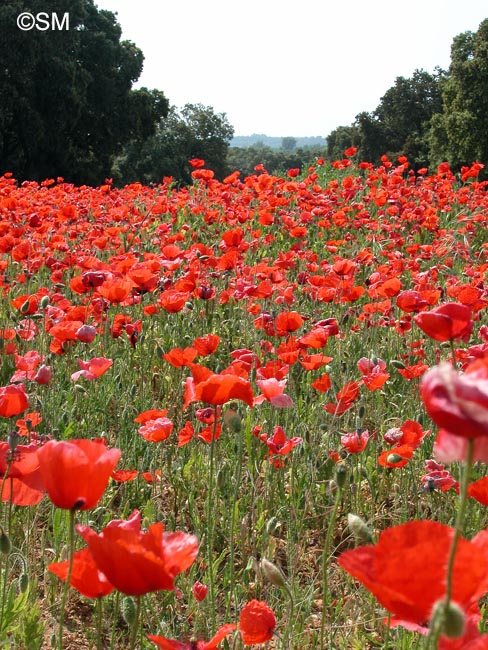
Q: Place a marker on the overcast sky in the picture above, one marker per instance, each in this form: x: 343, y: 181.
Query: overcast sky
x: 289, y: 68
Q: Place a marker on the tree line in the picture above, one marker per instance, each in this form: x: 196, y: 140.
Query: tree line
x: 68, y: 108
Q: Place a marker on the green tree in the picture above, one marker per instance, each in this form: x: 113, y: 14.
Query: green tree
x: 400, y: 125
x: 289, y: 143
x: 195, y: 131
x: 340, y: 139
x: 66, y: 99
x: 459, y: 134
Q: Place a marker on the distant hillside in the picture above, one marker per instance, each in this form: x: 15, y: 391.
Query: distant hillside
x: 244, y: 141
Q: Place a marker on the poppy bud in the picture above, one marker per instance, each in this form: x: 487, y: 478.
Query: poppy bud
x: 361, y: 412
x: 13, y: 441
x: 394, y: 458
x: 359, y: 529
x: 23, y: 582
x: 129, y: 611
x: 44, y: 302
x: 453, y: 625
x: 233, y: 421
x: 272, y: 573
x: 273, y: 526
x: 5, y: 543
x: 397, y: 364
x: 341, y: 475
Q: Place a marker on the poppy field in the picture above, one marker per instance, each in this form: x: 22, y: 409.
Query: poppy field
x: 249, y: 413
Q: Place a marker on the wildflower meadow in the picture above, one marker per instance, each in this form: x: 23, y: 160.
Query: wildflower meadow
x: 249, y: 413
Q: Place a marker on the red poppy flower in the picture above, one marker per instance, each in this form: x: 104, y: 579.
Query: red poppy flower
x: 322, y: 384
x: 396, y: 457
x: 419, y: 549
x: 92, y: 369
x: 150, y: 414
x: 479, y: 490
x: 451, y: 321
x: 24, y: 485
x: 257, y: 623
x: 13, y: 400
x: 355, y: 442
x: 207, y: 344
x: 124, y: 475
x: 85, y: 576
x: 449, y: 447
x: 287, y: 321
x: 199, y: 591
x: 156, y: 430
x: 219, y: 389
x: 172, y: 644
x: 138, y: 562
x: 179, y: 357
x: 273, y: 391
x: 76, y: 472
x: 458, y: 402
x: 279, y: 444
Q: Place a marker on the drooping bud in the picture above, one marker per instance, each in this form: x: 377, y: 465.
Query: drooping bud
x: 359, y: 529
x: 272, y: 573
x: 23, y: 582
x: 273, y: 526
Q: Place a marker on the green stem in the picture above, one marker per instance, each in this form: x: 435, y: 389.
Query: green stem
x: 99, y: 623
x: 438, y: 624
x: 210, y: 524
x: 115, y: 618
x: 135, y: 627
x: 71, y: 544
x: 325, y: 555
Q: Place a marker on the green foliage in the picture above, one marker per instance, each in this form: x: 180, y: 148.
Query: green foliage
x: 66, y: 104
x: 342, y: 138
x: 458, y: 134
x: 274, y: 160
x: 194, y: 132
x: 400, y: 124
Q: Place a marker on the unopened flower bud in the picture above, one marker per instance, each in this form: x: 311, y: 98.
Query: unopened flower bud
x: 272, y: 573
x: 5, y: 543
x: 44, y: 302
x: 129, y: 611
x: 394, y: 458
x: 454, y: 619
x: 23, y: 582
x: 273, y: 526
x: 341, y: 475
x: 359, y: 529
x: 397, y: 364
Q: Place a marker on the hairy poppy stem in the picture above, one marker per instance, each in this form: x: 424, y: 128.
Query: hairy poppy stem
x: 210, y: 523
x: 438, y: 623
x: 71, y: 544
x: 135, y: 627
x: 325, y: 556
x: 99, y: 622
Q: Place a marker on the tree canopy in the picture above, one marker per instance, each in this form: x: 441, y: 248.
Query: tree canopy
x: 66, y: 99
x: 195, y: 131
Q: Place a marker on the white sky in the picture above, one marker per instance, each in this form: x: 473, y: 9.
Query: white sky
x: 285, y: 67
